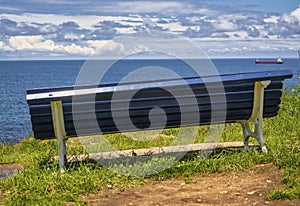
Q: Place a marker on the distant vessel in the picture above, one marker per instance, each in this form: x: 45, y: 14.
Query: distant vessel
x: 299, y: 54
x: 278, y: 61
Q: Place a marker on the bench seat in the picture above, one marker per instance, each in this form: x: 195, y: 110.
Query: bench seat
x: 238, y: 88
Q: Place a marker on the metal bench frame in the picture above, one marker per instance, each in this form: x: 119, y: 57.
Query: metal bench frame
x: 256, y: 117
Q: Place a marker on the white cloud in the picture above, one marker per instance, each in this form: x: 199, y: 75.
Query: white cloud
x: 28, y: 42
x: 164, y: 7
x: 10, y: 8
x: 106, y: 47
x: 139, y: 48
x: 4, y: 46
x: 76, y: 49
x: 237, y: 35
x: 247, y: 48
x: 296, y: 13
x: 47, y: 28
x: 272, y: 19
x: 174, y: 27
x: 289, y: 18
x: 125, y: 30
x: 292, y: 17
x: 84, y: 21
x: 40, y: 44
x: 225, y: 25
x: 72, y: 36
x: 60, y: 2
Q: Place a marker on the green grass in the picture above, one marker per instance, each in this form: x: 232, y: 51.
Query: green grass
x: 40, y: 182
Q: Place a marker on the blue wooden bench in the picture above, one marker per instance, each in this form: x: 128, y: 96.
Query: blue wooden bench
x: 244, y: 98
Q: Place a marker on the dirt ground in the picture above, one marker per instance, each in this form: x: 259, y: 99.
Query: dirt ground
x: 242, y: 188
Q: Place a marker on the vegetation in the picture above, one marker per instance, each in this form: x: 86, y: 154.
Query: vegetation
x: 40, y: 181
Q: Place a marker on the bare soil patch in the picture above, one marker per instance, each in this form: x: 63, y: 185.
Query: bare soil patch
x: 241, y: 188
x: 7, y: 170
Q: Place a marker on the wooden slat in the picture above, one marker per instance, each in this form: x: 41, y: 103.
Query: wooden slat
x: 155, y: 151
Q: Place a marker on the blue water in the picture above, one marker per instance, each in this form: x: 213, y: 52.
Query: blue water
x: 17, y: 76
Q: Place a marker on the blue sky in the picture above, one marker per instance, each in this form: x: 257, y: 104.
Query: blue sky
x: 33, y: 29
x: 277, y: 6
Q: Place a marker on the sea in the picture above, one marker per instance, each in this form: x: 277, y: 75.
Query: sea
x: 18, y: 76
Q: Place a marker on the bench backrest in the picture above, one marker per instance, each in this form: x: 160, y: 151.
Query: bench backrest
x: 236, y: 91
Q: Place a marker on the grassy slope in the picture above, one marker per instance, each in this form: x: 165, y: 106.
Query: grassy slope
x: 41, y: 182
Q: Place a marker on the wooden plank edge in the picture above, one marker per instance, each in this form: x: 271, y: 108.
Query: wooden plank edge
x: 155, y: 151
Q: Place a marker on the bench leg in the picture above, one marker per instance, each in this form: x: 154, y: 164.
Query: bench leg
x: 62, y: 152
x: 60, y: 133
x: 256, y: 116
x: 257, y: 134
x: 246, y: 134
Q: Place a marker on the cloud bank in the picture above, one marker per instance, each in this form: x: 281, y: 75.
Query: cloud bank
x: 217, y: 32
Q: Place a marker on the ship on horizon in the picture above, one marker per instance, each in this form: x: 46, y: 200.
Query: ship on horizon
x: 278, y: 61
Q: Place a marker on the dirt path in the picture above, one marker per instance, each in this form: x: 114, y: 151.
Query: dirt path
x: 241, y: 188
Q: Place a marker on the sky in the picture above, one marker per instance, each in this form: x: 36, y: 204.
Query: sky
x: 76, y: 29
